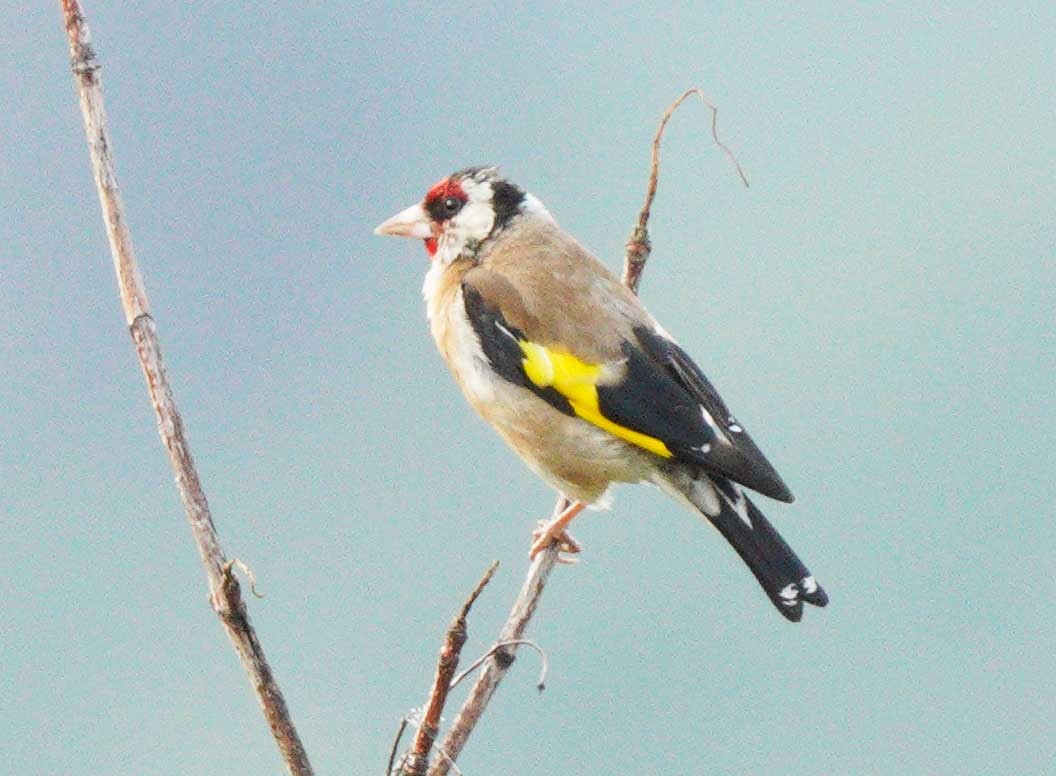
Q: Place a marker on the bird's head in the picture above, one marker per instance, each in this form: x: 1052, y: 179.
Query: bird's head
x: 462, y: 212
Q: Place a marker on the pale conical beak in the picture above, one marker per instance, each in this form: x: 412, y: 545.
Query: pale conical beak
x: 412, y: 222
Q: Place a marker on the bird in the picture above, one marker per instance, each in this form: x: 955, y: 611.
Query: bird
x: 566, y: 364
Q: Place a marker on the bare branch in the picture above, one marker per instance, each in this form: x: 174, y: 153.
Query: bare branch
x: 418, y: 759
x: 224, y: 592
x: 499, y: 663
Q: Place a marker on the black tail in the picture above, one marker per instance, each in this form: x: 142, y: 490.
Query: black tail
x: 784, y: 578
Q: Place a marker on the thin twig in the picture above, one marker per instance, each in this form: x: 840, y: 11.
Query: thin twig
x: 417, y: 760
x: 654, y: 168
x: 224, y: 592
x: 638, y: 247
x: 247, y: 571
x: 636, y: 254
x: 396, y: 746
x: 406, y: 759
x: 539, y: 685
x: 397, y: 770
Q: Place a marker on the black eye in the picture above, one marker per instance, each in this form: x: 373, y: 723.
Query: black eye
x: 444, y: 204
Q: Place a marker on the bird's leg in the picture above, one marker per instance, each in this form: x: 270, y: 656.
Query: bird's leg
x: 554, y: 530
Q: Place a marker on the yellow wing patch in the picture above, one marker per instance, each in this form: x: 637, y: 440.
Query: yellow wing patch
x: 577, y: 381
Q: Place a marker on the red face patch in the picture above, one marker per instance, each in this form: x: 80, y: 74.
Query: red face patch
x: 444, y: 189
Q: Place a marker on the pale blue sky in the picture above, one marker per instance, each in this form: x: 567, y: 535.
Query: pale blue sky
x: 877, y: 309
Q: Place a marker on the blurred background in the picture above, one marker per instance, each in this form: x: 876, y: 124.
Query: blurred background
x: 877, y: 309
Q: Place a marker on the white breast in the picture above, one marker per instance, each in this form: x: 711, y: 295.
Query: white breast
x: 454, y: 334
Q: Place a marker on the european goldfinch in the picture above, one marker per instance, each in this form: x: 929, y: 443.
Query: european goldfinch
x: 579, y: 379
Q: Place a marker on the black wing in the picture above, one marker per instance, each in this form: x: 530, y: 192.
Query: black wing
x: 665, y: 395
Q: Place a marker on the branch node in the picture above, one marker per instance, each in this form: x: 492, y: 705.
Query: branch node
x: 504, y: 657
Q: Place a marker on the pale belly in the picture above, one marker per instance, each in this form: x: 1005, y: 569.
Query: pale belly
x: 572, y: 455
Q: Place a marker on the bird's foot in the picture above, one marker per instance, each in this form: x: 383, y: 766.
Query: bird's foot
x: 550, y: 531
x: 567, y: 544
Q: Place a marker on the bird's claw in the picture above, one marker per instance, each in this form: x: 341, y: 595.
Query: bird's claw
x: 546, y: 533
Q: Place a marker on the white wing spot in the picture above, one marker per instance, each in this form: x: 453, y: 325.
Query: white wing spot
x: 742, y: 511
x: 736, y: 429
x: 709, y: 420
x: 738, y: 505
x: 788, y: 595
x: 809, y: 585
x: 505, y: 331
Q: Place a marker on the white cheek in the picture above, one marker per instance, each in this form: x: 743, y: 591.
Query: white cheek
x: 477, y: 220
